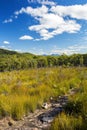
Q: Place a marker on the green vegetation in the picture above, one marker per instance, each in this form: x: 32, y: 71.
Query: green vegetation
x: 11, y: 60
x: 66, y: 122
x: 75, y: 112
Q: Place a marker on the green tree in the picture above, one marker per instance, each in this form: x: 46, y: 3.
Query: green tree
x: 81, y: 61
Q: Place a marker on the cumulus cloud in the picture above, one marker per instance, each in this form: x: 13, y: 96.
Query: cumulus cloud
x: 56, y: 24
x: 74, y: 11
x: 6, y: 42
x: 33, y: 11
x: 8, y: 21
x: 52, y: 20
x: 26, y: 37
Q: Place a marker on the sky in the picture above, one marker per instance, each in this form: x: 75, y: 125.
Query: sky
x: 44, y: 26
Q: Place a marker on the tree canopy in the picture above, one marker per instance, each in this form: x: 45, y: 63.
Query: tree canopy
x: 11, y: 60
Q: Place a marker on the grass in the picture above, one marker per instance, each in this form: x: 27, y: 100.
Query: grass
x: 75, y: 113
x: 25, y: 91
x: 66, y: 122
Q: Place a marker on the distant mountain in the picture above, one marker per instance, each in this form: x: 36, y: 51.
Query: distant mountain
x: 51, y: 55
x: 44, y: 55
x: 55, y: 55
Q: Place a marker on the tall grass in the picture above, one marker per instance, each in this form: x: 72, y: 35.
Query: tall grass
x: 66, y: 122
x: 75, y: 114
x: 25, y: 91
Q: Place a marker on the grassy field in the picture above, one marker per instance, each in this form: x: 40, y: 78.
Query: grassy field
x: 74, y: 116
x: 25, y: 91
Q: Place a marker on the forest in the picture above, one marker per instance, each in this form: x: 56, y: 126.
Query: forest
x: 11, y: 60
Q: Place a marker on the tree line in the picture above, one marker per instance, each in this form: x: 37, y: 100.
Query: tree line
x: 10, y: 60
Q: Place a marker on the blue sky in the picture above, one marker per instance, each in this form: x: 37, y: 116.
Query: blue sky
x: 44, y: 26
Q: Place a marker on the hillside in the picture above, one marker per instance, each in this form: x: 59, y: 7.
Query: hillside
x: 4, y: 51
x: 10, y: 52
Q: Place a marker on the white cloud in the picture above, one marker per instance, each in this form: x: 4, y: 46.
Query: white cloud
x: 3, y: 47
x: 6, y: 42
x: 64, y: 51
x: 26, y: 37
x: 8, y: 21
x: 51, y: 20
x: 74, y: 11
x: 56, y: 24
x: 33, y: 11
x: 37, y: 52
x: 18, y: 50
x: 46, y: 2
x: 78, y: 48
x: 6, y: 47
x: 43, y: 2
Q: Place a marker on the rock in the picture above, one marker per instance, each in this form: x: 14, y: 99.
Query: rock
x: 47, y: 119
x: 10, y: 123
x: 45, y: 106
x: 51, y: 98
